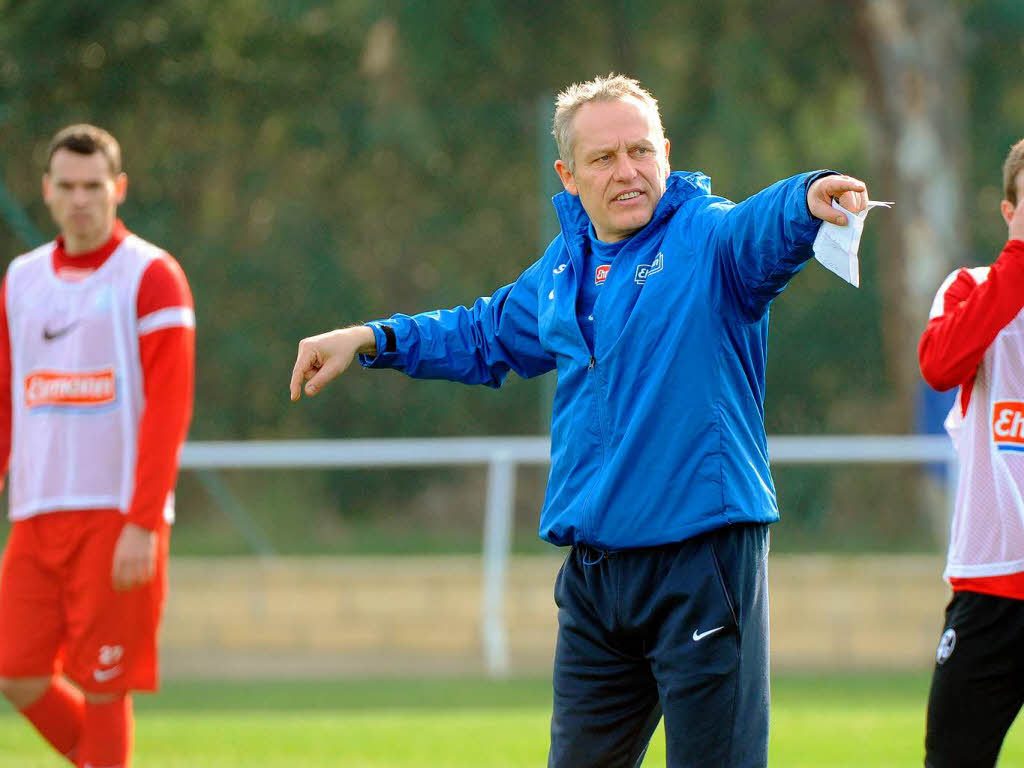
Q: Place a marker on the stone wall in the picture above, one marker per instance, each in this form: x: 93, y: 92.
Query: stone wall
x: 373, y: 616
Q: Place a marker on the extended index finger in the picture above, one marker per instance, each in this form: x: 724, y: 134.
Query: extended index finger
x: 303, y: 362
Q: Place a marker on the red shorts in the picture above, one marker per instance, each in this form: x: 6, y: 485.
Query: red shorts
x: 59, y: 611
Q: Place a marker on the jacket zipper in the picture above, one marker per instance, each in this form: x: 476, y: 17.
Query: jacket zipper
x: 599, y: 402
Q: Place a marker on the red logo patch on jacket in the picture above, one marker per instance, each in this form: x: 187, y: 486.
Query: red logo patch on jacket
x: 1008, y: 425
x: 78, y: 388
x: 601, y: 274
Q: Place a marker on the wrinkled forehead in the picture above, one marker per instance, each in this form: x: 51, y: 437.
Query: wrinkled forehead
x: 609, y: 123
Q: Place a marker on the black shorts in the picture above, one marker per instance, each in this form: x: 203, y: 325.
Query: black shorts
x: 978, y: 682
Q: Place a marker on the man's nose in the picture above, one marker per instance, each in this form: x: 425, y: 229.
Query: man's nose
x: 624, y: 169
x: 79, y: 196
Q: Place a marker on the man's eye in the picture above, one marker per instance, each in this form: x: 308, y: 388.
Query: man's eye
x: 642, y: 150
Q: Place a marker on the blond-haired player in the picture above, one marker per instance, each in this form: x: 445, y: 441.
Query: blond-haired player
x: 975, y: 341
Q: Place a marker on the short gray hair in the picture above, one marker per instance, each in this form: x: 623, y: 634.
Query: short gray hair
x: 611, y: 88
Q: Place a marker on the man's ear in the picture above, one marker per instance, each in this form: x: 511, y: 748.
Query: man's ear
x: 46, y: 187
x: 121, y: 187
x: 668, y: 165
x: 1007, y: 209
x: 567, y: 178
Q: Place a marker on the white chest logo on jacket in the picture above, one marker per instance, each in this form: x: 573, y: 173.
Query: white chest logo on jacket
x: 643, y: 271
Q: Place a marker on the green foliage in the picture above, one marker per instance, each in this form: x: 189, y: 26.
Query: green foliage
x: 997, y: 109
x: 314, y: 164
x: 317, y: 164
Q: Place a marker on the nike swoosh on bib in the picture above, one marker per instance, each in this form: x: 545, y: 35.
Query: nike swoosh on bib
x: 49, y: 335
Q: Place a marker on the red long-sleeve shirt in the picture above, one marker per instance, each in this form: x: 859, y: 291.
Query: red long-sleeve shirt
x: 167, y: 356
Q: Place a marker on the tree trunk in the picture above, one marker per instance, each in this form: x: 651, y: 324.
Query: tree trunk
x: 913, y: 52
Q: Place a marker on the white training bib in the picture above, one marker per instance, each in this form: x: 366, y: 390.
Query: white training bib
x: 987, y: 535
x: 76, y: 382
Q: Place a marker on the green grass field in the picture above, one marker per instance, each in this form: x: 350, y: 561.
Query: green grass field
x: 833, y: 722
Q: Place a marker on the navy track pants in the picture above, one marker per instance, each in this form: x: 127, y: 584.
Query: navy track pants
x: 679, y: 631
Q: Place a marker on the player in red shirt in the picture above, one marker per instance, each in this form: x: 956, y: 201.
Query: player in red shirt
x: 975, y: 341
x: 96, y: 376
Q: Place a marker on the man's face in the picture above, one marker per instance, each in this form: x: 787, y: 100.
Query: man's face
x: 621, y: 161
x: 82, y: 195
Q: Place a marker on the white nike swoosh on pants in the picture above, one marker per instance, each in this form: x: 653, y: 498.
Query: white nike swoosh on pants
x: 698, y: 636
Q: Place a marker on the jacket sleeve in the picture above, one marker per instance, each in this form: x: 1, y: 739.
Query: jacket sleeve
x: 474, y: 345
x: 967, y: 316
x: 761, y: 243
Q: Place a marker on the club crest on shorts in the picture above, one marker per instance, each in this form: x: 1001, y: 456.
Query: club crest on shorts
x: 946, y: 645
x: 110, y: 654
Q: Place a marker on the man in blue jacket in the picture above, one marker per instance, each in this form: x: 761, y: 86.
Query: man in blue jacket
x: 652, y: 305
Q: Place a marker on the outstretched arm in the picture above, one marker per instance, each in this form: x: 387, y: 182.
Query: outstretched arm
x: 764, y: 241
x: 472, y: 345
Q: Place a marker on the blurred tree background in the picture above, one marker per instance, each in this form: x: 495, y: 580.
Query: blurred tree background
x: 313, y: 164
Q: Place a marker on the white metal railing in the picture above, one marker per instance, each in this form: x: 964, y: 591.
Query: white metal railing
x: 502, y: 455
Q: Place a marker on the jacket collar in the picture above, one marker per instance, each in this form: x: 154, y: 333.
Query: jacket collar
x: 681, y: 186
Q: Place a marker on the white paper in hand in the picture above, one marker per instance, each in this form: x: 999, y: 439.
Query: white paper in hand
x: 836, y: 247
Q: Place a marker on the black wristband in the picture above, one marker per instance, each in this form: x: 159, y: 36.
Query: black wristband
x: 390, y: 344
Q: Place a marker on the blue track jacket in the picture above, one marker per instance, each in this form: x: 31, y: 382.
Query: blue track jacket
x: 659, y: 436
